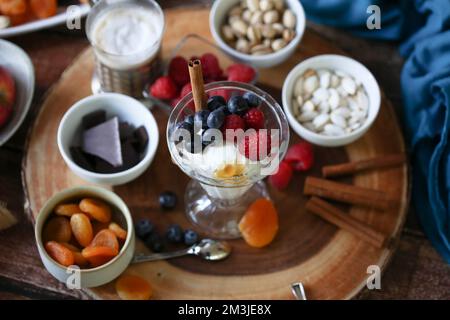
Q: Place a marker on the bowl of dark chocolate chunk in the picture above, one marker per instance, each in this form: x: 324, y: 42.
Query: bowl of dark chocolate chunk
x: 108, y: 138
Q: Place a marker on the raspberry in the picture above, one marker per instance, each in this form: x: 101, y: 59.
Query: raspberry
x: 241, y: 73
x: 187, y: 88
x: 164, y: 88
x: 254, y: 118
x: 281, y: 179
x: 300, y: 156
x: 256, y: 145
x: 178, y: 71
x: 219, y: 92
x: 232, y: 122
x: 210, y: 66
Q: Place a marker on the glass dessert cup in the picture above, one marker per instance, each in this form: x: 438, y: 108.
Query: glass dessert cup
x: 224, y: 181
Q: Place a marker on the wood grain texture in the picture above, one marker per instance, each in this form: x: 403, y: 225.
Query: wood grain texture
x: 331, y: 263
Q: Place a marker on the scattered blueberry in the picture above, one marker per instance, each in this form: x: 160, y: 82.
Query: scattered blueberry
x: 215, y: 119
x: 174, y: 233
x: 189, y: 119
x: 190, y: 237
x: 237, y: 105
x: 155, y: 242
x: 202, y: 117
x: 252, y: 99
x: 144, y: 228
x: 216, y: 102
x: 168, y: 200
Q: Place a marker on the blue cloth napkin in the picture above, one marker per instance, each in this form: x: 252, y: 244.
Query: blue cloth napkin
x: 423, y: 29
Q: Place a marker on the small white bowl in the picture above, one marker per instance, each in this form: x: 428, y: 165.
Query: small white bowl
x: 115, y: 104
x: 332, y: 62
x: 218, y: 15
x: 98, y: 276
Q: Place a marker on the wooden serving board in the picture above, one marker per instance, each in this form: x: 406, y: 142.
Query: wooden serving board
x: 331, y: 263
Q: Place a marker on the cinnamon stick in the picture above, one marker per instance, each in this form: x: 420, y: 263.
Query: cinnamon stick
x: 347, y: 193
x: 342, y: 220
x: 198, y: 86
x: 363, y: 165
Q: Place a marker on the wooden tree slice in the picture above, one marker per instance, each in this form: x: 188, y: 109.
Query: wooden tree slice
x: 330, y: 262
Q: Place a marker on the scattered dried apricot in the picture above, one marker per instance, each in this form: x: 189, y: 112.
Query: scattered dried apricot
x: 97, y: 209
x: 44, y: 8
x: 259, y: 225
x: 82, y: 228
x: 60, y: 253
x: 98, y: 256
x: 57, y: 229
x: 105, y: 238
x: 67, y: 209
x: 130, y: 287
x: 118, y: 231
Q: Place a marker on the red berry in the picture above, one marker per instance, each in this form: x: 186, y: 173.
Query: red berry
x: 210, y: 66
x: 187, y: 88
x: 256, y: 145
x: 254, y: 118
x: 281, y: 179
x: 241, y: 73
x: 178, y: 71
x: 300, y: 156
x: 232, y: 122
x: 175, y: 101
x: 219, y: 92
x: 164, y: 88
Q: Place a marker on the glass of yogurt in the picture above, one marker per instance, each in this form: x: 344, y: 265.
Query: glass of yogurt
x: 126, y: 37
x: 224, y: 181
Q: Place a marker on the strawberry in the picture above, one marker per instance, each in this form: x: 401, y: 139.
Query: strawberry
x: 178, y: 71
x: 300, y: 156
x: 164, y: 88
x: 256, y: 145
x: 241, y: 73
x: 281, y: 179
x: 187, y: 88
x: 210, y: 66
x: 7, y: 95
x: 254, y: 118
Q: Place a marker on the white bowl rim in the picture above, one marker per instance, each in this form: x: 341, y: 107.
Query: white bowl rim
x: 301, y: 21
x: 151, y: 149
x: 291, y: 77
x: 95, y: 190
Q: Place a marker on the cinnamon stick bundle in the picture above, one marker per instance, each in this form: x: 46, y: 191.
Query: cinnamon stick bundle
x: 363, y: 165
x: 347, y: 193
x: 342, y: 220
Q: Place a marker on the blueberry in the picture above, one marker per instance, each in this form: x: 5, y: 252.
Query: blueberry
x: 216, y: 102
x: 167, y: 200
x: 154, y: 242
x: 189, y: 119
x: 252, y: 99
x: 215, y: 119
x: 237, y: 105
x: 185, y: 125
x: 144, y: 228
x: 201, y: 117
x: 174, y: 233
x: 190, y: 237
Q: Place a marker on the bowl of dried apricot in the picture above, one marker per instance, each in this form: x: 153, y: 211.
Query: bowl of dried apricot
x: 85, y: 236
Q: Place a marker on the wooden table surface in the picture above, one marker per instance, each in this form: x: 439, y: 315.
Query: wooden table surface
x: 415, y: 272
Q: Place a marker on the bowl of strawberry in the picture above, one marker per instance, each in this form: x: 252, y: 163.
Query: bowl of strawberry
x: 175, y: 85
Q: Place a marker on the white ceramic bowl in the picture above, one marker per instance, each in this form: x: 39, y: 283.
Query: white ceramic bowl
x: 333, y: 62
x: 95, y: 276
x: 218, y: 15
x: 115, y: 104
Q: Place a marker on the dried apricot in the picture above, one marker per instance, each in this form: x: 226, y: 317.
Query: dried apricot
x: 60, y: 253
x: 118, y: 231
x: 98, y: 256
x: 105, y: 238
x: 82, y: 228
x: 79, y: 259
x: 44, y: 8
x: 259, y: 225
x: 97, y: 209
x: 67, y: 209
x: 57, y: 229
x: 130, y: 287
x: 13, y: 7
x: 99, y: 226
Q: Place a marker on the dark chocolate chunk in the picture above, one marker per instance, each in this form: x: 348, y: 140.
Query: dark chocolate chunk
x: 126, y: 131
x: 142, y: 138
x: 103, y: 141
x: 81, y: 159
x: 101, y: 166
x: 130, y: 156
x: 93, y: 119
